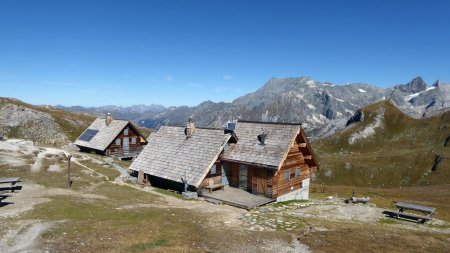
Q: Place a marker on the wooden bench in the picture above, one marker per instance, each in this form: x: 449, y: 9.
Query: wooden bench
x: 10, y: 188
x: 215, y: 187
x: 10, y: 180
x: 356, y: 200
x: 411, y: 216
x: 403, y: 206
x: 8, y: 185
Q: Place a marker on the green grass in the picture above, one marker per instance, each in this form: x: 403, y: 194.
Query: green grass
x: 388, y: 221
x: 124, y: 164
x: 103, y: 169
x: 148, y: 245
x: 169, y: 193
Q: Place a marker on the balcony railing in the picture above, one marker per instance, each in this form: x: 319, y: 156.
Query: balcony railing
x: 128, y: 153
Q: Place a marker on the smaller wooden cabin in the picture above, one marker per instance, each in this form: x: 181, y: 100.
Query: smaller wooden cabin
x: 108, y: 136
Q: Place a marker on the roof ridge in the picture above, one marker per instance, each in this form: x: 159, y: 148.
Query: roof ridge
x: 271, y: 123
x: 207, y: 128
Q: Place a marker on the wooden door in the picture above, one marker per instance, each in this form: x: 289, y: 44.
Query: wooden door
x: 126, y: 144
x: 260, y: 181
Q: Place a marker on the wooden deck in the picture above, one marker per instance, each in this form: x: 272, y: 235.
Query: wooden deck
x: 236, y: 197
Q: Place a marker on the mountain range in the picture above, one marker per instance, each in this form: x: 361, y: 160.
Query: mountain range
x: 322, y: 107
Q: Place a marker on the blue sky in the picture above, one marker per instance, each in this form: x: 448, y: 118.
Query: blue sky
x: 184, y: 52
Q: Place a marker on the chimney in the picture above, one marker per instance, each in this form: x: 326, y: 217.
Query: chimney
x: 109, y: 119
x: 190, y: 128
x: 262, y: 137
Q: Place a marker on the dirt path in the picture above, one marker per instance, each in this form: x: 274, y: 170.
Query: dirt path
x: 33, y: 194
x: 23, y: 237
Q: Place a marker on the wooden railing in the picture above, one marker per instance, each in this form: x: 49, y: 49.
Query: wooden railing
x: 129, y: 153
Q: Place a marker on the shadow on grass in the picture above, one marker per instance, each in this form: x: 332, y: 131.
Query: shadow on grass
x: 2, y: 204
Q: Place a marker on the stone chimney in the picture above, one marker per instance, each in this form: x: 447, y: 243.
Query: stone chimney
x: 190, y: 128
x: 109, y: 119
x: 262, y: 137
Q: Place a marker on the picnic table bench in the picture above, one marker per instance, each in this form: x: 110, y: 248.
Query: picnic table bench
x: 8, y: 185
x: 215, y: 186
x: 427, y: 211
x: 10, y: 180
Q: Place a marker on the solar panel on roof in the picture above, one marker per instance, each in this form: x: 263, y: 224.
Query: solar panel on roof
x: 88, y: 135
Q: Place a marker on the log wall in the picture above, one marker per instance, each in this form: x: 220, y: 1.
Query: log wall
x: 131, y: 134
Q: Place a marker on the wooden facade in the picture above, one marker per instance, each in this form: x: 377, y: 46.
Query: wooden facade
x: 128, y: 139
x: 111, y: 137
x: 270, y: 183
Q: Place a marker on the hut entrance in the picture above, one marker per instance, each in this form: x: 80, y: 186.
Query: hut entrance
x: 260, y: 181
x: 243, y: 176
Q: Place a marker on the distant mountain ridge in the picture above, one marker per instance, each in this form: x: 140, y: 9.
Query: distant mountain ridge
x: 322, y: 108
x: 127, y: 113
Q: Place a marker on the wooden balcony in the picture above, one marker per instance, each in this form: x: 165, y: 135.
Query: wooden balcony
x: 125, y: 153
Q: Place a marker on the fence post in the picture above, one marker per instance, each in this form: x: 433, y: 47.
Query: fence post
x: 69, y: 183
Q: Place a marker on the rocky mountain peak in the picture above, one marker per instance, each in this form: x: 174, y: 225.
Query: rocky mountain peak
x: 437, y: 84
x: 414, y: 86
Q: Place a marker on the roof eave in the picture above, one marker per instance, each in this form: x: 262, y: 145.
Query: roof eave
x: 271, y: 167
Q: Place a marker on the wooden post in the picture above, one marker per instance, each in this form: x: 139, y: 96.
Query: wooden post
x: 69, y: 183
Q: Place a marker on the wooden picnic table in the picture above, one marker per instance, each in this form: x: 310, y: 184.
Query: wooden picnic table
x: 410, y: 206
x: 426, y: 210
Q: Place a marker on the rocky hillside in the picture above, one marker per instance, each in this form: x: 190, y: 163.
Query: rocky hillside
x: 383, y: 147
x: 46, y: 125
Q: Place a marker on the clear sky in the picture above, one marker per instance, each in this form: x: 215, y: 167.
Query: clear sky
x: 184, y: 52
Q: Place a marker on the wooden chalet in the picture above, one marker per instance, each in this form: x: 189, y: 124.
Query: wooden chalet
x: 273, y: 160
x: 108, y: 136
x: 270, y: 159
x: 175, y: 154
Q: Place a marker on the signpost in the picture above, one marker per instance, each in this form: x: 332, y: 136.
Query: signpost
x: 69, y: 183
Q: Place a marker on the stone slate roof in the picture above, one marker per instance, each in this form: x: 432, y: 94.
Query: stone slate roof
x: 171, y: 156
x: 106, y: 134
x: 249, y: 150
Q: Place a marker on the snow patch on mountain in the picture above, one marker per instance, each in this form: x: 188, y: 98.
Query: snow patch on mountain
x: 311, y: 84
x: 349, y: 111
x: 409, y: 97
x: 361, y: 90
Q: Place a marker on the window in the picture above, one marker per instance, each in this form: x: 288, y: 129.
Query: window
x: 125, y: 131
x: 118, y: 142
x: 213, y: 170
x: 298, y: 172
x: 287, y: 175
x: 133, y: 140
